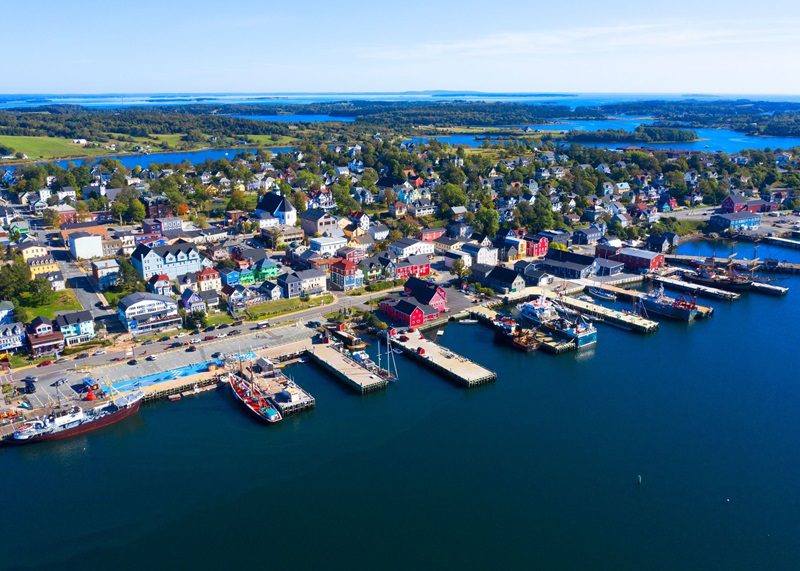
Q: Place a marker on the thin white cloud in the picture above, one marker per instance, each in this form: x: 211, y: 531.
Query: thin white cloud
x: 592, y: 40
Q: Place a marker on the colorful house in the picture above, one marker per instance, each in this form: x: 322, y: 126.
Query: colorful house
x: 346, y: 275
x: 408, y: 312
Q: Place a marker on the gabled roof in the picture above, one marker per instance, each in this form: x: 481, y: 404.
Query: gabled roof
x: 73, y: 318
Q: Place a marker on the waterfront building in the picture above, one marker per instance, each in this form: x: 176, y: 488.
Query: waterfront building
x: 408, y: 312
x: 427, y: 293
x: 637, y: 260
x: 43, y: 338
x: 736, y: 221
x: 148, y: 312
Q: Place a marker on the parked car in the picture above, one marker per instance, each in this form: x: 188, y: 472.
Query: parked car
x: 191, y: 349
x: 194, y: 340
x: 223, y: 326
x: 82, y: 356
x: 99, y: 352
x: 61, y: 360
x: 133, y: 362
x: 176, y: 344
x: 209, y: 337
x: 234, y: 332
x: 181, y: 335
x: 164, y: 338
x: 148, y: 342
x: 45, y: 363
x: 151, y: 358
x: 210, y: 328
x: 31, y: 379
x: 30, y: 388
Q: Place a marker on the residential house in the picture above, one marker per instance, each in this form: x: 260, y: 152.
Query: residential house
x: 568, y: 265
x: 346, y: 275
x: 159, y: 284
x: 6, y: 312
x: 481, y: 254
x: 192, y: 302
x: 43, y: 338
x: 316, y: 222
x: 280, y: 236
x: 76, y: 327
x: 85, y: 246
x: 175, y: 260
x: 411, y: 247
x: 208, y: 279
x: 41, y: 266
x: 12, y: 336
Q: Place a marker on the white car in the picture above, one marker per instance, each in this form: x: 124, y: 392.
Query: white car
x: 99, y: 352
x: 180, y: 335
x: 195, y: 340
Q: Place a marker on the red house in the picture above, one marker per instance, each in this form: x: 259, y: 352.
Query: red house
x: 416, y: 266
x: 536, y: 248
x: 737, y: 203
x: 431, y: 234
x: 427, y: 293
x: 637, y: 260
x: 408, y: 312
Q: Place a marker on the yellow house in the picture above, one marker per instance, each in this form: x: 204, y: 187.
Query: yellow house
x: 32, y: 250
x: 42, y: 265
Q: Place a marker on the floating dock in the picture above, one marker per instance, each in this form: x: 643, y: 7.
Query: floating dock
x: 695, y: 289
x: 768, y: 289
x: 344, y: 368
x: 547, y: 342
x: 454, y: 366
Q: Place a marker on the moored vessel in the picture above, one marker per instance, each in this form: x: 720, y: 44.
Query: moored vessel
x: 253, y: 399
x: 679, y: 308
x: 572, y: 327
x: 70, y: 420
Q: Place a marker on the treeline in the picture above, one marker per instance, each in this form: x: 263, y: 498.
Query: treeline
x: 642, y: 134
x: 771, y: 118
x: 440, y: 113
x: 96, y: 124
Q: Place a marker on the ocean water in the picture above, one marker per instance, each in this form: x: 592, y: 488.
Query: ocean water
x: 538, y: 470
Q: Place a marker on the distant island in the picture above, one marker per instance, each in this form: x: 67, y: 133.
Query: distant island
x: 642, y: 134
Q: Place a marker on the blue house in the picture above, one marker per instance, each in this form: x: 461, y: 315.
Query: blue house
x: 192, y: 301
x: 76, y: 327
x: 230, y: 277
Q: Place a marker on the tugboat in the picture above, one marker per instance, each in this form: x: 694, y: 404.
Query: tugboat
x: 508, y: 331
x: 247, y: 393
x: 543, y: 313
x: 66, y: 421
x: 679, y: 308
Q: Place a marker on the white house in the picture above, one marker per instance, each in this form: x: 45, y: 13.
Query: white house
x: 411, y: 247
x: 85, y: 246
x: 326, y: 246
x: 481, y: 254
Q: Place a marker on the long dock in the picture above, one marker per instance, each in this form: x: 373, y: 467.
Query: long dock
x: 345, y: 369
x: 289, y: 397
x: 628, y: 321
x: 696, y: 289
x: 546, y: 342
x: 454, y: 366
x: 764, y: 266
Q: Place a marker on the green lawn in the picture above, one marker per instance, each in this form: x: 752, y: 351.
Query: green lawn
x: 272, y: 140
x: 283, y: 306
x: 219, y: 319
x: 65, y: 301
x: 48, y: 147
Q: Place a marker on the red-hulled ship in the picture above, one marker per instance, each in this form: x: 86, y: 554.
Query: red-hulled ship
x: 253, y: 399
x: 67, y: 421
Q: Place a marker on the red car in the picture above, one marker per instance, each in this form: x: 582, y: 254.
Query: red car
x: 44, y: 363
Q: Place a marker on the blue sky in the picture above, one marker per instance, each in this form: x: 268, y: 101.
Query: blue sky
x: 700, y: 46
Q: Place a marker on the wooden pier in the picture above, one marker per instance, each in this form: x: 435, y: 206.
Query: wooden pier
x: 287, y: 396
x: 629, y: 321
x: 344, y: 368
x: 695, y: 289
x: 453, y: 366
x: 766, y: 266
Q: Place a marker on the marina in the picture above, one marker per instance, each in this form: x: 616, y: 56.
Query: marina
x: 346, y: 369
x: 696, y: 289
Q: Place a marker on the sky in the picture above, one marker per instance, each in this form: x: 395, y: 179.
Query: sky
x: 238, y: 46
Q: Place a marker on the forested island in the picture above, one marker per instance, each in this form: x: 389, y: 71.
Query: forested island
x: 642, y: 134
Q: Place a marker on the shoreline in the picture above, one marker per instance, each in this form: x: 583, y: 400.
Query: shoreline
x: 27, y: 162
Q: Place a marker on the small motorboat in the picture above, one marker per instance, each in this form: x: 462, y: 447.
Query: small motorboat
x: 601, y: 294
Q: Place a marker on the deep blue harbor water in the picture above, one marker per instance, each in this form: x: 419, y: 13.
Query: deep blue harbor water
x: 538, y: 470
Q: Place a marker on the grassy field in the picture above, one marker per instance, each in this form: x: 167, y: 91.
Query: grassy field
x: 219, y: 319
x: 272, y: 140
x: 284, y: 306
x: 47, y: 147
x: 65, y: 301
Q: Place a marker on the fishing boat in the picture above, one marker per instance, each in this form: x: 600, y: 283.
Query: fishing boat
x: 508, y: 331
x: 544, y: 313
x: 71, y: 420
x: 253, y: 399
x: 679, y: 308
x: 601, y: 294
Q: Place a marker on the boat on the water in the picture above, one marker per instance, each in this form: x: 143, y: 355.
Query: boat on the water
x: 508, y: 331
x: 71, y: 420
x: 601, y: 294
x: 573, y: 327
x: 679, y: 308
x: 253, y: 398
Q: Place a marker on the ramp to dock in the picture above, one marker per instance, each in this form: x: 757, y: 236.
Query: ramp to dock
x: 446, y: 362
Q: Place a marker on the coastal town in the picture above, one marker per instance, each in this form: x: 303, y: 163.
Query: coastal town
x: 191, y: 267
